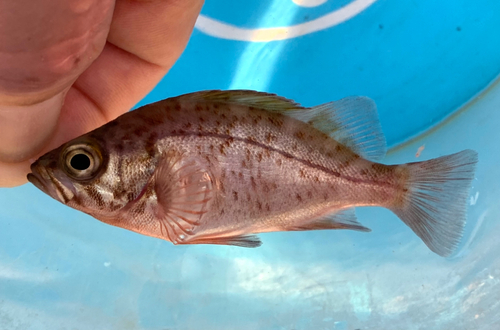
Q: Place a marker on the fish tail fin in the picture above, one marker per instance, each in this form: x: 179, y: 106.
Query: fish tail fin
x: 434, y: 200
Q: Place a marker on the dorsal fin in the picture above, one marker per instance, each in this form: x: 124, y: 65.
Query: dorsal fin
x: 261, y: 100
x: 352, y: 121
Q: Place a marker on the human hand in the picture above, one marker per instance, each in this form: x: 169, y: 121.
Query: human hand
x: 69, y: 66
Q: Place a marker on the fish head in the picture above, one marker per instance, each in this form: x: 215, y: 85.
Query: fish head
x: 91, y: 174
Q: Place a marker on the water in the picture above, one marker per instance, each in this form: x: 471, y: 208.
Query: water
x: 427, y: 64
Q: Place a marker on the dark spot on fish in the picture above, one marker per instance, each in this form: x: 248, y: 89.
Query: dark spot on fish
x: 316, y: 178
x: 130, y: 196
x: 222, y: 149
x: 235, y: 195
x: 138, y: 132
x: 279, y: 162
x: 243, y: 164
x: 141, y: 207
x: 259, y: 205
x: 233, y: 173
x: 95, y: 196
x: 240, y: 175
x: 217, y: 123
x: 152, y: 120
x: 222, y: 187
x: 405, y: 190
x: 309, y: 194
x: 223, y: 116
x: 254, y: 184
x: 211, y: 147
x: 248, y: 155
x: 269, y: 137
x: 177, y: 107
x: 299, y: 135
x: 275, y: 121
x: 198, y: 108
x: 150, y: 144
x: 268, y: 208
x: 338, y: 148
x: 223, y: 174
x: 119, y: 147
x: 259, y: 157
x: 188, y: 125
x: 181, y: 132
x: 329, y: 154
x: 222, y: 211
x: 298, y: 197
x: 325, y: 196
x: 202, y: 119
x: 363, y: 172
x: 265, y: 188
x: 274, y: 186
x: 302, y: 173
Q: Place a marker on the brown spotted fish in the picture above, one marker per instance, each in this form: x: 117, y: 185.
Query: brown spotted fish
x: 214, y: 167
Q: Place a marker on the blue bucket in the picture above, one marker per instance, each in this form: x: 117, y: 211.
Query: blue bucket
x: 431, y: 67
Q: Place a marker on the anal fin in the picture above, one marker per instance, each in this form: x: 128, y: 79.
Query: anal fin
x: 345, y: 219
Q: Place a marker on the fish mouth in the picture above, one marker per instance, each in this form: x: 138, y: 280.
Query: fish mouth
x: 47, y: 183
x: 37, y: 182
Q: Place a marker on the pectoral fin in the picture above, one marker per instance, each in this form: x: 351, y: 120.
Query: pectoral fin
x: 184, y: 189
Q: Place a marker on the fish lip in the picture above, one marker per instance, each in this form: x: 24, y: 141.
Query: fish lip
x: 41, y: 179
x: 32, y: 177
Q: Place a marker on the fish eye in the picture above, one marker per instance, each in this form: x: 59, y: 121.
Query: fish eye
x: 82, y: 161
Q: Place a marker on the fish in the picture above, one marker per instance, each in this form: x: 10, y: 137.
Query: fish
x: 219, y: 167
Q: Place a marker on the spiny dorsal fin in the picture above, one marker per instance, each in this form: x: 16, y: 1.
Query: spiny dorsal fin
x: 261, y: 100
x: 352, y: 121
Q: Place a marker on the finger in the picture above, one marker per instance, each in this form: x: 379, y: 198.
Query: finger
x: 145, y: 40
x: 44, y: 46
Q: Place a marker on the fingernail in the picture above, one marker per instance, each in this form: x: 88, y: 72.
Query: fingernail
x: 24, y: 130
